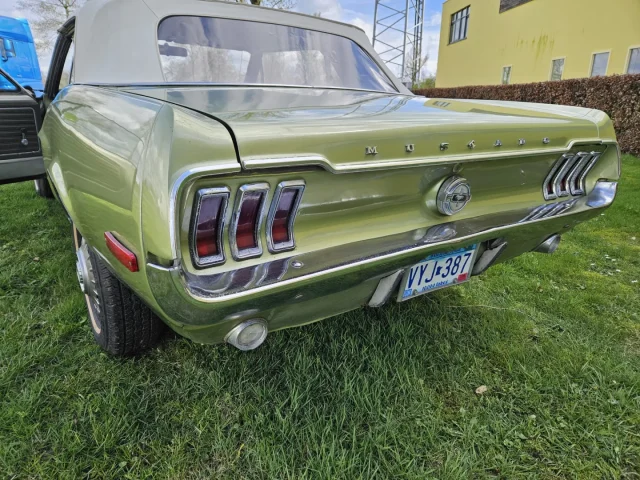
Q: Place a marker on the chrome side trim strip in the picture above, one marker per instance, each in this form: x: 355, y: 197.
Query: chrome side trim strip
x: 320, y: 160
x: 245, y: 253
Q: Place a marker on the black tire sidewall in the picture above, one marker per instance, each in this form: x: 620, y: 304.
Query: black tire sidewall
x: 43, y: 188
x: 102, y: 336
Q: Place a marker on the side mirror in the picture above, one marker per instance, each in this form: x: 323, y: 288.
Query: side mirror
x: 170, y: 51
x: 3, y: 50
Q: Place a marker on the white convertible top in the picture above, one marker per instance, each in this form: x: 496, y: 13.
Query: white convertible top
x: 116, y: 40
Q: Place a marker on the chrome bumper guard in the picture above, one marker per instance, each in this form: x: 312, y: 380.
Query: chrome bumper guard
x: 193, y: 299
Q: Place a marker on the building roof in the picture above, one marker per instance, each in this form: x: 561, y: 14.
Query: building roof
x: 116, y: 40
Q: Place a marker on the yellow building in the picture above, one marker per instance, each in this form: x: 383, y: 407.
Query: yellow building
x: 488, y: 42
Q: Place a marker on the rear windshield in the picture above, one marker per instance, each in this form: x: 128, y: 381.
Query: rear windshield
x: 217, y: 50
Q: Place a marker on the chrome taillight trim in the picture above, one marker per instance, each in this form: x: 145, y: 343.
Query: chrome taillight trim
x: 568, y: 175
x: 298, y: 185
x: 578, y: 176
x: 240, y: 196
x: 548, y: 187
x: 199, y: 262
x: 574, y: 176
x: 560, y: 181
x: 549, y: 210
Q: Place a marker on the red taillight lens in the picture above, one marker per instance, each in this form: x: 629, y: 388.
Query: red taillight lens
x: 207, y: 227
x: 280, y: 227
x: 245, y: 231
x: 210, y: 207
x: 282, y: 215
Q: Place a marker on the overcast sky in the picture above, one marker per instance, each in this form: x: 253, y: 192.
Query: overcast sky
x: 356, y: 12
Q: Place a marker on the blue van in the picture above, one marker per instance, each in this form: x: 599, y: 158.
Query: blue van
x: 18, y: 54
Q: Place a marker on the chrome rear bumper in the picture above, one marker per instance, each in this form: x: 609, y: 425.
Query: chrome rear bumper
x: 206, y: 307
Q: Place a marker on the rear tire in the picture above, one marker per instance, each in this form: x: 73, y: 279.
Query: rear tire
x: 121, y: 323
x: 43, y: 189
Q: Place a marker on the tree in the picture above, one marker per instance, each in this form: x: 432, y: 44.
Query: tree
x: 49, y: 15
x: 413, y: 68
x: 278, y: 4
x: 428, y: 82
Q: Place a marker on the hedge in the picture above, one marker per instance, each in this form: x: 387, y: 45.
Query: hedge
x: 617, y: 95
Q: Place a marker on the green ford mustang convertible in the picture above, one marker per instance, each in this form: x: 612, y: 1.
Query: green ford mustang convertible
x: 231, y: 170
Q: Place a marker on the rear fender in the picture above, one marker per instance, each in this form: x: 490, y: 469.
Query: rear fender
x: 182, y: 145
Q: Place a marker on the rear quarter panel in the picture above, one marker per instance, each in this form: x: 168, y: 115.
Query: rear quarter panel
x: 114, y: 158
x: 94, y: 141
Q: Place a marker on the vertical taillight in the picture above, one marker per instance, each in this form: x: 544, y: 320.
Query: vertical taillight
x: 282, y: 215
x: 245, y: 228
x: 244, y: 234
x: 210, y: 206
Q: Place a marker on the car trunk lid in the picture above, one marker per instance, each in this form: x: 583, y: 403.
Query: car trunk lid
x: 355, y: 130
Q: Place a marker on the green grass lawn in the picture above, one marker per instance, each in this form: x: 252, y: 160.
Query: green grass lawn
x: 373, y: 393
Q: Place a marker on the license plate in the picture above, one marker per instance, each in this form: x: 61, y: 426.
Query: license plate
x: 438, y: 271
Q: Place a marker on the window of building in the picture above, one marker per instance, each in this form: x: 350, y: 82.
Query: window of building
x: 634, y: 61
x: 557, y: 68
x: 459, y: 25
x: 509, y: 4
x: 506, y: 75
x: 599, y: 64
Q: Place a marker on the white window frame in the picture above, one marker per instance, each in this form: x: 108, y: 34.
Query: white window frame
x: 464, y: 19
x: 510, y: 67
x: 593, y: 61
x: 564, y: 64
x: 628, y: 62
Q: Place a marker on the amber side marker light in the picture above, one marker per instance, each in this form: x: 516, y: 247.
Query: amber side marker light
x: 122, y: 254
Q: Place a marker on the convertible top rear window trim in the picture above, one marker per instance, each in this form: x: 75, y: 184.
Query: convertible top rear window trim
x: 241, y: 85
x: 388, y: 80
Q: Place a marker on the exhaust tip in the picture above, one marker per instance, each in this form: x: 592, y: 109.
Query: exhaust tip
x: 550, y: 245
x: 248, y: 335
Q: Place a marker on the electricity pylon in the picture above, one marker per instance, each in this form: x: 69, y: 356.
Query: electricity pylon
x: 397, y: 26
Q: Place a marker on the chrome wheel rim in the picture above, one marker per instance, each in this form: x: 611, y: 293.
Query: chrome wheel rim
x: 88, y: 284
